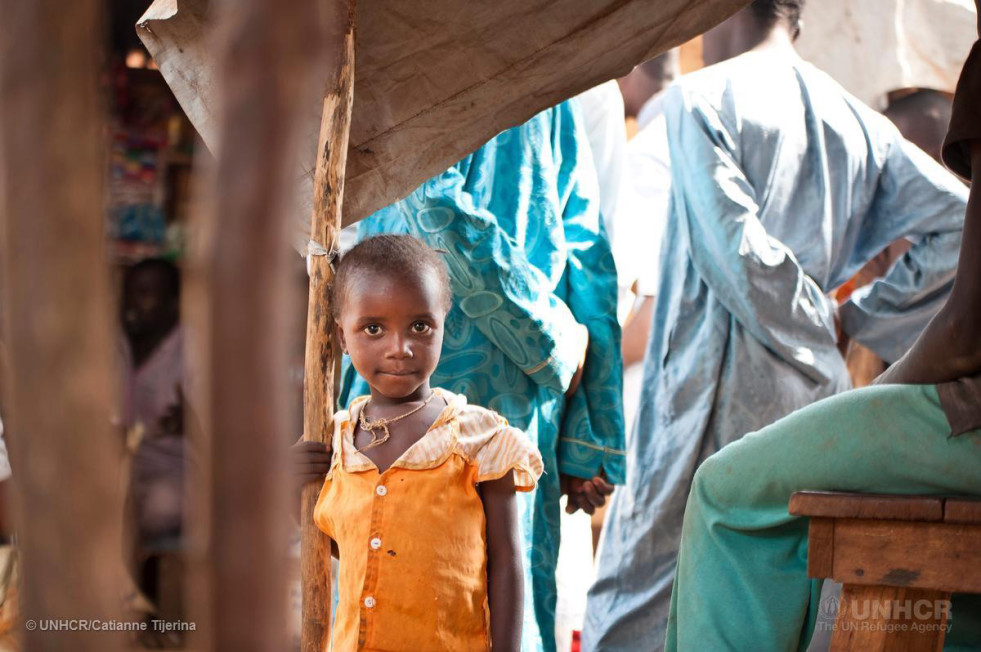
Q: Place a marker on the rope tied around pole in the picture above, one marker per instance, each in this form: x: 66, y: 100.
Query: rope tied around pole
x: 314, y: 248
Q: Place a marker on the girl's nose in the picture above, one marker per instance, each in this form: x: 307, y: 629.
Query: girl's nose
x: 401, y: 348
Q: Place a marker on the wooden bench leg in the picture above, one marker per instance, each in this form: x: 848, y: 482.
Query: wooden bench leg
x: 887, y: 618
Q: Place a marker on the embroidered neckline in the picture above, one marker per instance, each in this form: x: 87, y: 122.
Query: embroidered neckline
x: 438, y: 436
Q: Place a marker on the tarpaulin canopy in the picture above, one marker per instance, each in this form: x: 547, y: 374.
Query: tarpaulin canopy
x: 436, y: 79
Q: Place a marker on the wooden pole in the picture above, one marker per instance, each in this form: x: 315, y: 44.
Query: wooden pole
x: 56, y: 321
x: 266, y: 54
x: 322, y: 351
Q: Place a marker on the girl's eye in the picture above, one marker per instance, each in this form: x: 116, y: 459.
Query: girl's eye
x: 372, y: 329
x: 420, y: 327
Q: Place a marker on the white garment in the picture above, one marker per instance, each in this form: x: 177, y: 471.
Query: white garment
x: 635, y: 184
x: 652, y: 108
x: 602, y: 113
x: 573, y: 575
x: 644, y: 202
x: 5, y: 472
x: 151, y: 390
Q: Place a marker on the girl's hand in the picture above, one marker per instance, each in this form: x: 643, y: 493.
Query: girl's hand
x: 309, y: 462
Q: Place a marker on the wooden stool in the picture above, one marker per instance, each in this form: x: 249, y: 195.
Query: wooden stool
x: 899, y: 559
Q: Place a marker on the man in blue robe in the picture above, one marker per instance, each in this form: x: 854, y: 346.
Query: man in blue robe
x: 530, y: 266
x: 783, y: 186
x: 742, y: 573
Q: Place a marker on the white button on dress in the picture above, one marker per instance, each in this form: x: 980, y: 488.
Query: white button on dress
x: 381, y: 490
x: 369, y: 602
x: 376, y: 543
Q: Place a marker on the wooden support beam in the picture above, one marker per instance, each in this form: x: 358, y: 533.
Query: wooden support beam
x: 56, y: 319
x: 322, y: 351
x: 268, y: 61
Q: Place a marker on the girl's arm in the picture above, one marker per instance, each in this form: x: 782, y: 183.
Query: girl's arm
x: 506, y: 589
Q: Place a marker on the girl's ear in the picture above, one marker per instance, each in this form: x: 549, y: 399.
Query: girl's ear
x: 340, y: 337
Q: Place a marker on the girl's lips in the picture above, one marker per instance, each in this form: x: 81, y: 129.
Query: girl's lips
x: 398, y: 373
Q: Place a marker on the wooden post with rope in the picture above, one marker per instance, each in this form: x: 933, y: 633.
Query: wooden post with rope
x: 322, y: 351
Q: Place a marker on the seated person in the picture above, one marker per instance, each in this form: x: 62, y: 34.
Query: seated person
x: 153, y: 383
x: 741, y: 579
x: 153, y: 377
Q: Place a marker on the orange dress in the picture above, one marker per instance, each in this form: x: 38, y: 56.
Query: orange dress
x: 412, y: 540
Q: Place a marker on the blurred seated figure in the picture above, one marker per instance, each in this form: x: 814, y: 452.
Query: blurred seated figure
x: 153, y: 378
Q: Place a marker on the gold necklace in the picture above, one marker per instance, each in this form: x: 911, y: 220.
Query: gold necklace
x: 371, y: 425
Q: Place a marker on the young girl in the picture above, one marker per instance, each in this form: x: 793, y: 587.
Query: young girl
x: 420, y: 488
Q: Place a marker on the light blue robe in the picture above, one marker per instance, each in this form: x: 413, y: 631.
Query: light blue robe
x: 528, y: 260
x: 783, y: 186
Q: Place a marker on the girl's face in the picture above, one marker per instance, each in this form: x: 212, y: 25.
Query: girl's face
x: 393, y: 330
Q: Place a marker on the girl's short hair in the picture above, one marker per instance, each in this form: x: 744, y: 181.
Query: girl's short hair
x: 394, y: 256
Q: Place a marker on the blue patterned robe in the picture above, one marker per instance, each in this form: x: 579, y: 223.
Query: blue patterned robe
x: 528, y: 260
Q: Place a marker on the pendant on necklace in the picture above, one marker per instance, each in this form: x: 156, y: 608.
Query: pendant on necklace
x: 371, y: 425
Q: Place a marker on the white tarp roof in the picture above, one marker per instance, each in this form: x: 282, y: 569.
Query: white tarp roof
x: 435, y: 79
x: 872, y: 47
